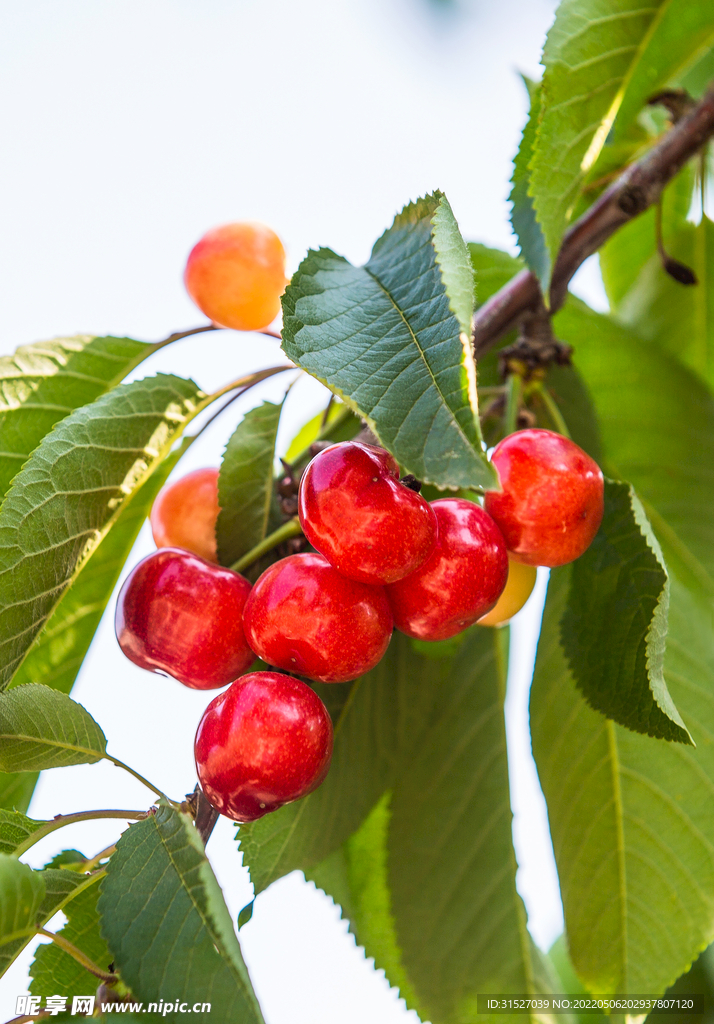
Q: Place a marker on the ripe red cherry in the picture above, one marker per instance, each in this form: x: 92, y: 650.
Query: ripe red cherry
x: 366, y: 523
x: 461, y: 579
x: 265, y: 741
x: 182, y: 616
x: 551, y: 503
x: 302, y: 615
x: 184, y: 514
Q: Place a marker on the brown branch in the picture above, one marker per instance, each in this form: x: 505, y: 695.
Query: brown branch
x: 637, y: 188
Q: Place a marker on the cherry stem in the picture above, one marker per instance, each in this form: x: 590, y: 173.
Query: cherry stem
x: 60, y: 820
x: 178, y: 335
x: 149, y: 785
x: 79, y: 956
x: 553, y: 411
x: 514, y: 393
x: 290, y: 529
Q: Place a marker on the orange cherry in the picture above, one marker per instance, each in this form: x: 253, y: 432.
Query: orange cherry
x: 236, y: 274
x: 184, y: 514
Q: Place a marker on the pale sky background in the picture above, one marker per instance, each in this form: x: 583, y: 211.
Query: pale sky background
x: 129, y: 128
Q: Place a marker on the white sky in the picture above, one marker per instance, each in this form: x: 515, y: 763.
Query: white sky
x: 129, y: 128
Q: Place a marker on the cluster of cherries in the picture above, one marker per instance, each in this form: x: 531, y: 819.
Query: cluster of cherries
x: 384, y: 557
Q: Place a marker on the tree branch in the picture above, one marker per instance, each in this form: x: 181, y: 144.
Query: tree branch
x: 637, y: 188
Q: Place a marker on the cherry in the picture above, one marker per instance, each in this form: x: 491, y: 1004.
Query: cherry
x: 180, y: 615
x: 184, y: 514
x: 461, y: 579
x: 519, y: 586
x: 366, y: 523
x: 236, y: 274
x: 263, y: 742
x: 551, y: 503
x: 302, y: 615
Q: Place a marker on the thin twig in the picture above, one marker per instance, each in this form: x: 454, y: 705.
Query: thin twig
x: 60, y: 820
x: 637, y: 188
x: 78, y: 955
x: 178, y: 335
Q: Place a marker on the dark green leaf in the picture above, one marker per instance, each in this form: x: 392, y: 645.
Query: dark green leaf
x: 15, y: 829
x: 592, y: 51
x: 383, y: 714
x: 44, y: 382
x: 245, y: 914
x: 245, y: 483
x: 21, y: 893
x: 53, y: 970
x: 614, y: 626
x: 70, y: 493
x: 164, y: 919
x: 392, y: 339
x: 42, y: 728
x: 60, y: 887
x: 523, y: 217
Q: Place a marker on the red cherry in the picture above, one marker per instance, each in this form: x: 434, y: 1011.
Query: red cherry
x: 182, y: 616
x: 461, y: 579
x: 302, y: 615
x: 265, y: 741
x: 551, y: 503
x: 184, y: 514
x: 366, y: 523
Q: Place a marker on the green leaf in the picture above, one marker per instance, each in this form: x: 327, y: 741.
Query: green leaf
x: 614, y: 627
x: 342, y: 425
x: 21, y: 893
x: 569, y: 392
x: 592, y: 52
x: 377, y: 718
x: 623, y: 257
x: 245, y: 483
x: 493, y: 269
x: 523, y: 217
x: 390, y: 339
x: 680, y: 36
x: 42, y: 728
x: 15, y: 828
x: 53, y: 970
x: 44, y: 382
x: 428, y: 881
x: 71, y: 491
x: 678, y: 318
x: 60, y: 888
x: 630, y: 818
x: 16, y: 790
x: 164, y: 919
